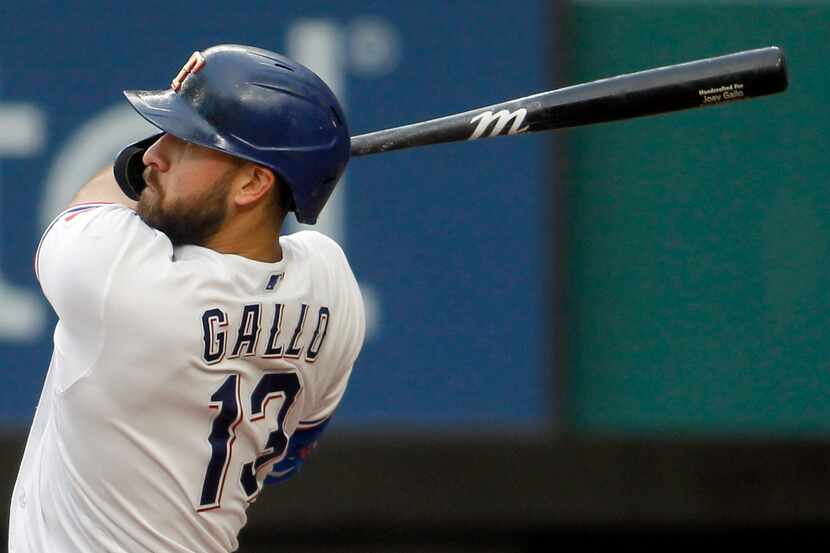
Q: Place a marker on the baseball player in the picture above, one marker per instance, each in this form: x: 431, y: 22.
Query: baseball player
x: 197, y: 353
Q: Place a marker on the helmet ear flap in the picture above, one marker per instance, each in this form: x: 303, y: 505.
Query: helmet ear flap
x: 128, y: 168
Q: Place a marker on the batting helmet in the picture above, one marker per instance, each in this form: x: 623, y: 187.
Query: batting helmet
x: 256, y: 105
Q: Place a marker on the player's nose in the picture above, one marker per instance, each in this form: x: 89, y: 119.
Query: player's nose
x: 156, y: 155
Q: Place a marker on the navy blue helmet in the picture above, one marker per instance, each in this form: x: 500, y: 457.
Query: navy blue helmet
x: 256, y: 105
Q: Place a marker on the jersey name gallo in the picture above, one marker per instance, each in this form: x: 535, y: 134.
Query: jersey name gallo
x: 293, y: 344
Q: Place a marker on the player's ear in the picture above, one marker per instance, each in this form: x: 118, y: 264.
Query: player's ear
x: 256, y: 183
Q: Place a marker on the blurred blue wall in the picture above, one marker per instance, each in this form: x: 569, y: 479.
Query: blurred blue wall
x: 446, y: 241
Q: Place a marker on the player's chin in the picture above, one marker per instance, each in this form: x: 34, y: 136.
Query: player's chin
x: 148, y: 207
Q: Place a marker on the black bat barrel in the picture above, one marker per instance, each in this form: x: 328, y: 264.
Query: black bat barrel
x: 673, y: 88
x: 710, y: 81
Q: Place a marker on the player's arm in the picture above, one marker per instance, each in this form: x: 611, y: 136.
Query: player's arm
x: 353, y: 324
x: 102, y: 188
x: 300, y: 446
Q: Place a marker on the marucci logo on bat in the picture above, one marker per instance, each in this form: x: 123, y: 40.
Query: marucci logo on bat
x: 501, y: 119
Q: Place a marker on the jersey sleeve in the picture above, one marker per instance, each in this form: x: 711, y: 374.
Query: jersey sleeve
x: 349, y: 322
x: 349, y: 326
x: 81, y: 249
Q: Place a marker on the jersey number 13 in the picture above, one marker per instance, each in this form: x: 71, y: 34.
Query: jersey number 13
x: 284, y: 385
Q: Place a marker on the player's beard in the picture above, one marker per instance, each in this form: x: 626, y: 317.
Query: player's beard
x: 186, y: 224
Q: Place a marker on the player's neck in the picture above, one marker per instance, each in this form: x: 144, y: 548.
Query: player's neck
x: 267, y: 253
x: 252, y: 237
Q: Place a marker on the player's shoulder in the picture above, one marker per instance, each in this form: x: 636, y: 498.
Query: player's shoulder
x: 310, y: 243
x: 324, y: 256
x: 86, y: 220
x: 75, y: 210
x: 88, y: 216
x: 99, y: 234
x: 313, y: 238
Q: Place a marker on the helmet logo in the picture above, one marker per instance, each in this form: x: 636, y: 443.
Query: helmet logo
x: 196, y: 61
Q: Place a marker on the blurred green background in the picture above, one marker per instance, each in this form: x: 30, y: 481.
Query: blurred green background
x: 697, y: 250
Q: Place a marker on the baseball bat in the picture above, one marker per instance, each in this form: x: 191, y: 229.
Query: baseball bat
x: 710, y: 81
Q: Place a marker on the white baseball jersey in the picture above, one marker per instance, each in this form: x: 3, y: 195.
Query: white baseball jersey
x: 178, y: 378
